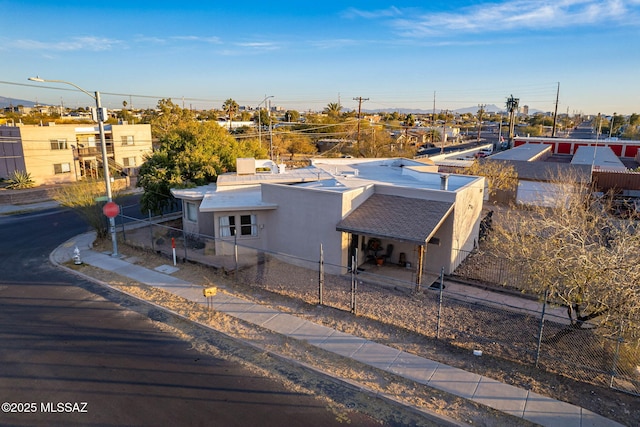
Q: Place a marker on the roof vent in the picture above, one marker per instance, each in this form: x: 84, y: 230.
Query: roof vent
x: 444, y: 182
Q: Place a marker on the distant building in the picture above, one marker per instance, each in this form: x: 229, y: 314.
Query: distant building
x: 58, y: 153
x: 621, y: 148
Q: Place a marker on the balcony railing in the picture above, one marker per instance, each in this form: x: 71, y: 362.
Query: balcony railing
x: 93, y: 151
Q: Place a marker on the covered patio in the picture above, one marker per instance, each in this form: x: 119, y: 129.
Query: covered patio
x: 389, y: 236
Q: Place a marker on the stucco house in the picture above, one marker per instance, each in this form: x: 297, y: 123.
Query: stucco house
x: 353, y: 207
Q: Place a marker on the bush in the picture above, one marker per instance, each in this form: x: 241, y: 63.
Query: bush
x: 20, y: 180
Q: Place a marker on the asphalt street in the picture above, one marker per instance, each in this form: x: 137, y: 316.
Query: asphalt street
x: 74, y: 353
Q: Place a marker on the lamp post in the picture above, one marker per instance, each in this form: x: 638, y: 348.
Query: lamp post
x: 259, y: 124
x: 103, y: 146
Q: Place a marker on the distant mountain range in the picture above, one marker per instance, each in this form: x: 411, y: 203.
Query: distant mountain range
x: 13, y: 102
x: 492, y: 108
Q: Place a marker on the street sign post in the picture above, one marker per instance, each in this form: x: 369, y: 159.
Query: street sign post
x: 208, y: 293
x: 111, y: 209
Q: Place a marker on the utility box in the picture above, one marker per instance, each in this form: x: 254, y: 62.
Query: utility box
x: 246, y: 166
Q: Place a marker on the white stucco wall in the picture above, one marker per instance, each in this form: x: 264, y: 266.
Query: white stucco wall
x: 304, y: 219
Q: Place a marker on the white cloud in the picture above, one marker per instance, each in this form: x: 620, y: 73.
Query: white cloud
x: 335, y: 43
x: 509, y: 15
x: 89, y: 43
x: 210, y: 40
x: 382, y: 13
x: 260, y: 46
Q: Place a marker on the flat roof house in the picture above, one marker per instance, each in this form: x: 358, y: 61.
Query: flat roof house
x: 350, y: 206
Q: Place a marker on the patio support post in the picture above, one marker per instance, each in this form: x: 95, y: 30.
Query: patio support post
x: 354, y: 281
x: 419, y: 267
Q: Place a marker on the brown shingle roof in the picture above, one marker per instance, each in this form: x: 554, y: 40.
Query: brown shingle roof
x: 396, y: 217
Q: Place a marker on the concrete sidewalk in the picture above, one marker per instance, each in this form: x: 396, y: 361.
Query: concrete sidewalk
x: 503, y: 397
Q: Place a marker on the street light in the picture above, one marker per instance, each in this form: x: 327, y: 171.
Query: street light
x: 103, y: 145
x: 259, y: 124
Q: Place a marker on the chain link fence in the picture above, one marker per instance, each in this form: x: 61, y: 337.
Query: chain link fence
x: 534, y: 337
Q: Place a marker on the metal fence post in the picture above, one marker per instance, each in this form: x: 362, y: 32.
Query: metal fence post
x: 321, y: 277
x: 541, y: 329
x: 440, y: 302
x: 235, y: 252
x: 121, y: 215
x: 153, y: 246
x: 184, y: 242
x: 616, y: 356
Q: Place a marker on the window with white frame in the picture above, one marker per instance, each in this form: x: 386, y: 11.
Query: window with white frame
x: 128, y: 162
x: 58, y: 144
x: 227, y: 226
x: 62, y: 168
x: 127, y: 140
x: 247, y: 224
x: 191, y: 212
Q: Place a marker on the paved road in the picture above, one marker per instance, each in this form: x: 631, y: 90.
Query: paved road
x: 67, y: 341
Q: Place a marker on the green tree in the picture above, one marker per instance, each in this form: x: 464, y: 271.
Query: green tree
x: 167, y: 117
x: 291, y: 116
x: 297, y: 143
x: 262, y: 116
x: 633, y: 130
x: 230, y: 107
x: 614, y: 125
x: 191, y: 154
x: 245, y: 116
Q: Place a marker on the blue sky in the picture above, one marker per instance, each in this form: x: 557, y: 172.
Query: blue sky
x: 308, y: 54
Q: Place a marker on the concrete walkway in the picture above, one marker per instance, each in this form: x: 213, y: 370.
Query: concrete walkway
x: 503, y: 397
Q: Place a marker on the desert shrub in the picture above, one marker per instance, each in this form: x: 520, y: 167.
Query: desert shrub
x: 20, y: 180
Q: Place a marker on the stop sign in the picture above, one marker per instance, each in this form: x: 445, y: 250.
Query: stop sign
x: 111, y: 209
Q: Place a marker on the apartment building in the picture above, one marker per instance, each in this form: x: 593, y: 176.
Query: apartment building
x: 57, y: 153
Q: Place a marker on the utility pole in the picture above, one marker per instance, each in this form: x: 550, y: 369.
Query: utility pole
x: 444, y: 131
x: 555, y: 114
x: 480, y: 113
x: 360, y: 100
x: 433, y: 116
x: 613, y: 121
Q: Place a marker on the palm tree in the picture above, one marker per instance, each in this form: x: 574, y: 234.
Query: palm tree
x: 230, y: 107
x: 333, y: 109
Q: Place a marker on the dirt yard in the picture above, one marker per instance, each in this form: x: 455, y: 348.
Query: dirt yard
x: 381, y: 325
